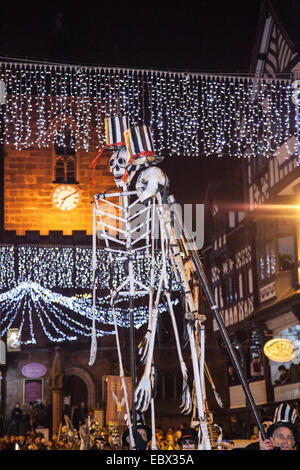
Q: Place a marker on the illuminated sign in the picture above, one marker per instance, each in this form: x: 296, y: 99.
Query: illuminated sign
x: 34, y: 370
x: 279, y: 350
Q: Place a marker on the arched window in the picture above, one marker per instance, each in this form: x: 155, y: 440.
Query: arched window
x: 65, y: 157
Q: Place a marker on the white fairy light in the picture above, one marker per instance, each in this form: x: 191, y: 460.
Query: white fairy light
x: 190, y: 114
x: 60, y: 315
x: 30, y: 292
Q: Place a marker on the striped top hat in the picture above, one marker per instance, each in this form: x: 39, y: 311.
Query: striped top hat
x: 115, y: 126
x: 285, y: 412
x: 140, y: 146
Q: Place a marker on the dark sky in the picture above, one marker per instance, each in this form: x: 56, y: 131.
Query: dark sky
x: 207, y: 36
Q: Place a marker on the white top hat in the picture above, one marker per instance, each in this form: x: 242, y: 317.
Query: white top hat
x: 115, y: 126
x: 140, y: 146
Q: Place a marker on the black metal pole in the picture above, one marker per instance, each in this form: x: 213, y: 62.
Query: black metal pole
x: 202, y: 277
x: 132, y: 360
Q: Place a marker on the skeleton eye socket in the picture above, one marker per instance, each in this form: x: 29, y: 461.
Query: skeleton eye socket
x: 122, y: 161
x: 112, y: 162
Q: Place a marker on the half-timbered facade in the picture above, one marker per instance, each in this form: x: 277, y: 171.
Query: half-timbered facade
x: 254, y: 257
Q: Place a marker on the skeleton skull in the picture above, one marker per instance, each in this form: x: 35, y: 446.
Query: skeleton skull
x: 117, y: 165
x: 150, y: 182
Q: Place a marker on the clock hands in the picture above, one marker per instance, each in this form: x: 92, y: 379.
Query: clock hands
x: 66, y: 197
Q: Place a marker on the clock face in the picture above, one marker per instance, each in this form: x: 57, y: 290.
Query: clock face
x: 65, y: 197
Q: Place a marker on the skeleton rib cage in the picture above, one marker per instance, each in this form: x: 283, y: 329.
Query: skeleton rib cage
x: 130, y: 229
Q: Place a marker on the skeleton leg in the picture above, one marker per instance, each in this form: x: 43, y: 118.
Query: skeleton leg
x: 203, y: 425
x: 186, y: 403
x: 143, y: 391
x: 93, y: 351
x: 132, y: 443
x: 144, y: 346
x: 153, y: 440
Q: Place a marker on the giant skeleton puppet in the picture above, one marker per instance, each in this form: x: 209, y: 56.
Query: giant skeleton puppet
x: 134, y: 157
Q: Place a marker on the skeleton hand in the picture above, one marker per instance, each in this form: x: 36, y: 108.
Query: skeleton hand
x: 186, y: 399
x: 143, y: 394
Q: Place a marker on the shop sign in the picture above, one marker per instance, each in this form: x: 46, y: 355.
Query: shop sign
x: 279, y: 350
x: 34, y: 370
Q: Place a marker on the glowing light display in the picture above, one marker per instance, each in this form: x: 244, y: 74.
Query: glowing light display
x: 189, y: 113
x: 51, y: 287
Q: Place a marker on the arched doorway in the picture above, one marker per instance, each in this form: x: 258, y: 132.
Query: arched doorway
x: 76, y: 389
x: 84, y: 382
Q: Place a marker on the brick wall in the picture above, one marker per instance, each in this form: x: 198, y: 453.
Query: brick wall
x: 28, y: 188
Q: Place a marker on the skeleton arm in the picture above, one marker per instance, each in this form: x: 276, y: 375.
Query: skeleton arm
x: 144, y: 345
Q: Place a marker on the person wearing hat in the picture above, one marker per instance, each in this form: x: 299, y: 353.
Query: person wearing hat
x: 142, y: 436
x: 100, y: 443
x: 114, y: 439
x: 285, y: 412
x: 266, y: 422
x: 188, y: 439
x: 282, y: 435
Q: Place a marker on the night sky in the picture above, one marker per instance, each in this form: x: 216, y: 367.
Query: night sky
x: 214, y: 36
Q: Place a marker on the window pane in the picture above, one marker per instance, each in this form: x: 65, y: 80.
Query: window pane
x: 231, y: 219
x: 71, y: 170
x: 59, y: 171
x: 286, y: 253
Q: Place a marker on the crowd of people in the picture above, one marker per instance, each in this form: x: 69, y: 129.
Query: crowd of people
x: 37, y: 414
x: 280, y: 433
x: 104, y: 439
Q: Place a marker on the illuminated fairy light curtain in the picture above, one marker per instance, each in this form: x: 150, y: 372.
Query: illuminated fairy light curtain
x: 32, y: 292
x: 190, y: 114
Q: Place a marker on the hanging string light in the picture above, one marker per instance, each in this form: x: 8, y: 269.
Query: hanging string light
x: 190, y: 114
x: 33, y: 278
x: 62, y: 318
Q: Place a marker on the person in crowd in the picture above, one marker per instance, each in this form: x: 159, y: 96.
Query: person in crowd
x: 42, y: 414
x: 115, y: 440
x: 32, y: 416
x: 256, y: 367
x: 281, y: 435
x: 285, y: 412
x: 266, y: 422
x: 40, y: 442
x: 283, y: 375
x: 79, y: 415
x: 13, y: 441
x: 100, y: 444
x: 21, y: 442
x: 188, y: 439
x: 142, y: 437
x: 16, y: 419
x: 169, y: 443
x: 232, y: 377
x: 30, y: 444
x: 6, y: 444
x: 159, y: 436
x: 50, y: 445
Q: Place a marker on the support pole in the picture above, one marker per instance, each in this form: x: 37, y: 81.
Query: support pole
x: 132, y: 360
x: 202, y: 277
